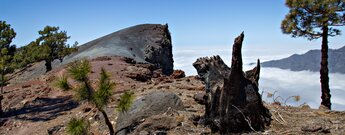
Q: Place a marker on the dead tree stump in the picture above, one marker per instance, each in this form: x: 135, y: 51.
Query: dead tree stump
x: 233, y: 103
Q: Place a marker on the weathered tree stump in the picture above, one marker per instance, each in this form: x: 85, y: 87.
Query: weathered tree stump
x: 233, y: 103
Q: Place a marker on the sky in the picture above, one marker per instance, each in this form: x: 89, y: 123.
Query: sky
x: 193, y: 23
x: 199, y: 28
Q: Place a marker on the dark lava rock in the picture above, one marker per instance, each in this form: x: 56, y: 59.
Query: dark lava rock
x: 86, y: 109
x: 129, y: 60
x: 54, y: 130
x: 161, y: 52
x: 195, y: 119
x: 3, y: 121
x: 149, y: 105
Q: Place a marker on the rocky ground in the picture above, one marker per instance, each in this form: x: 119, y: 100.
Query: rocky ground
x: 35, y: 106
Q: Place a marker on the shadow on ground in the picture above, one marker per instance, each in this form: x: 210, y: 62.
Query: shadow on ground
x: 43, y: 109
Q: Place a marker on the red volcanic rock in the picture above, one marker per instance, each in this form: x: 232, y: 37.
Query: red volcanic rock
x: 178, y: 74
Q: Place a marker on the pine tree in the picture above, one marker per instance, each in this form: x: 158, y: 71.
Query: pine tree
x: 4, y: 67
x: 315, y: 19
x: 6, y: 52
x: 53, y: 43
x: 28, y: 54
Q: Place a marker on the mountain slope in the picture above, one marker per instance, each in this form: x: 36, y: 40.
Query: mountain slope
x: 311, y: 61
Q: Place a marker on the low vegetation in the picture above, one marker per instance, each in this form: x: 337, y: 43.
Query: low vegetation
x: 78, y: 126
x: 62, y: 83
x: 126, y: 101
x: 279, y: 100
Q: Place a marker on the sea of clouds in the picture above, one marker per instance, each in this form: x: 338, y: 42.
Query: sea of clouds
x: 286, y: 83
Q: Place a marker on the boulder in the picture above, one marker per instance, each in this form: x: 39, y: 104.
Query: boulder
x: 232, y: 101
x: 160, y: 122
x: 178, y: 74
x: 138, y: 73
x: 149, y: 105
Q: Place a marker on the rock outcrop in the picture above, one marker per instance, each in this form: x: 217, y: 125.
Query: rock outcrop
x: 160, y: 52
x: 232, y: 101
x: 152, y: 104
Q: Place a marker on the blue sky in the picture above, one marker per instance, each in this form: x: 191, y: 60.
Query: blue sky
x: 193, y: 23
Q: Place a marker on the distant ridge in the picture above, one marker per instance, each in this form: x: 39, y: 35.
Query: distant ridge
x: 311, y: 61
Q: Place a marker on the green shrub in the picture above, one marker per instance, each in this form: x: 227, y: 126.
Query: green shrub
x: 79, y: 70
x: 62, y: 83
x: 126, y: 101
x: 78, y: 126
x: 102, y: 95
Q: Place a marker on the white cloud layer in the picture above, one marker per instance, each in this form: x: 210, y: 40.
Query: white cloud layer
x: 287, y: 83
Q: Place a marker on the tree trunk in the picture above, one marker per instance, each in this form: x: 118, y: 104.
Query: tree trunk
x: 1, y: 98
x: 233, y: 103
x: 107, y: 121
x: 324, y: 79
x: 48, y: 65
x: 3, y: 83
x: 2, y: 89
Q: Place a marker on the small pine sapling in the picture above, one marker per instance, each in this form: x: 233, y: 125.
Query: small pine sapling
x: 78, y: 126
x: 62, y: 83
